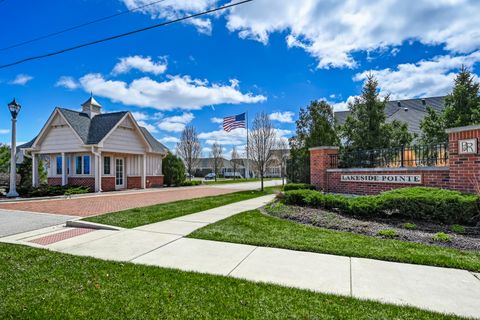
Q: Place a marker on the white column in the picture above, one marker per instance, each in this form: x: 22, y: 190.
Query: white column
x: 34, y: 170
x: 98, y: 173
x: 64, y: 169
x: 144, y: 172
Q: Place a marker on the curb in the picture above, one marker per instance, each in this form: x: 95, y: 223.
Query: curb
x: 90, y: 225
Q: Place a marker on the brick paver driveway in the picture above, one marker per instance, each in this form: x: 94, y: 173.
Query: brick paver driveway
x: 100, y: 204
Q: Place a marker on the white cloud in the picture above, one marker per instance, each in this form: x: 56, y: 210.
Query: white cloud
x: 21, y: 79
x: 331, y: 31
x: 139, y: 116
x: 175, y: 93
x: 216, y: 120
x: 144, y: 64
x: 342, y: 106
x: 148, y: 126
x: 169, y: 139
x: 67, y: 82
x: 176, y: 123
x: 169, y: 10
x: 425, y: 78
x: 285, y: 117
x: 4, y: 131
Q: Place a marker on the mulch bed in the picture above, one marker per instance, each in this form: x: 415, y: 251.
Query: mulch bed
x: 424, y: 233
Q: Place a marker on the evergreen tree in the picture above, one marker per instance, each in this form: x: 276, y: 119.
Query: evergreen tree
x: 315, y: 127
x: 173, y: 170
x: 433, y: 127
x: 462, y: 108
x: 366, y: 127
x: 4, y: 158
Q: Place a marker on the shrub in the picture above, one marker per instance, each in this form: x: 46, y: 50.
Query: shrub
x: 191, y: 183
x: 388, y: 233
x: 418, y: 203
x: 409, y: 226
x: 48, y: 191
x: 432, y: 204
x: 298, y: 186
x: 173, y: 170
x: 457, y: 228
x: 441, y: 237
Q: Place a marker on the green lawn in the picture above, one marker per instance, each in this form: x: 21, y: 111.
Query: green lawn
x: 256, y: 228
x: 228, y: 181
x: 40, y: 284
x: 145, y: 215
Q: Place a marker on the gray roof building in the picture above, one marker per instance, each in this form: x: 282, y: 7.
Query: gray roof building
x: 410, y: 111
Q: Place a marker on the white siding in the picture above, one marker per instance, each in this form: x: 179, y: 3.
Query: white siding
x: 154, y: 165
x: 60, y: 137
x: 134, y: 165
x: 125, y: 139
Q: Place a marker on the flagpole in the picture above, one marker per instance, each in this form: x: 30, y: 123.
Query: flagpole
x: 247, y: 175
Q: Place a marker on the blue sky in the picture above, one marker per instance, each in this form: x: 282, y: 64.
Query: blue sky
x: 273, y: 56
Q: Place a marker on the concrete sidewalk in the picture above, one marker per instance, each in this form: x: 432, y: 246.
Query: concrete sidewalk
x: 163, y: 244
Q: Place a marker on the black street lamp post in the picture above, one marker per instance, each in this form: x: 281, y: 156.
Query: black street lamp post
x: 14, y: 108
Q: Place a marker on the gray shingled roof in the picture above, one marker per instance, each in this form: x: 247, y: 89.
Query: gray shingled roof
x: 156, y: 145
x: 92, y: 131
x: 410, y: 111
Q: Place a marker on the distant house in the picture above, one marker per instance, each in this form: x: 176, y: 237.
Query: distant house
x: 105, y: 151
x: 274, y: 168
x: 411, y: 111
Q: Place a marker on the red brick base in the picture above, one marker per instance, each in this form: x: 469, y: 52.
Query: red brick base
x: 134, y: 182
x: 80, y: 181
x: 108, y: 183
x: 431, y: 177
x: 54, y: 181
x: 154, y: 181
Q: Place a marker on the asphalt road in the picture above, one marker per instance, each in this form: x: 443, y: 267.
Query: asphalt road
x: 13, y: 222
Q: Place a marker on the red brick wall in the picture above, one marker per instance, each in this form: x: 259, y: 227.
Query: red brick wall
x: 319, y: 163
x: 54, y: 181
x: 464, y: 168
x: 108, y: 183
x: 154, y: 181
x: 462, y: 174
x: 134, y: 182
x: 82, y: 181
x: 431, y: 177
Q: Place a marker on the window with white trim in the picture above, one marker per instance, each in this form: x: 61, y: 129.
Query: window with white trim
x: 107, y: 165
x: 82, y: 164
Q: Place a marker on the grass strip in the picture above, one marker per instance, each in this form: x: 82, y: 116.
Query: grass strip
x: 255, y: 228
x: 136, y: 217
x: 40, y: 284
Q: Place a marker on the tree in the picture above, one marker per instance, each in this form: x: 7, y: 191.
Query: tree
x: 433, y: 127
x: 366, y: 127
x: 462, y: 108
x: 283, y: 153
x: 314, y: 127
x: 234, y: 158
x: 173, y: 170
x: 262, y: 140
x: 4, y: 158
x: 217, y: 158
x: 25, y: 171
x: 189, y: 149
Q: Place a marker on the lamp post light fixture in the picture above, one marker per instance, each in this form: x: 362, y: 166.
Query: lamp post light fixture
x: 14, y: 108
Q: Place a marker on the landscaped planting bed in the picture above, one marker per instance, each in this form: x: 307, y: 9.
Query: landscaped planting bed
x: 466, y: 238
x: 418, y: 203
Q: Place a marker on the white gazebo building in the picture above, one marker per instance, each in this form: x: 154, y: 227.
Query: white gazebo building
x: 105, y: 151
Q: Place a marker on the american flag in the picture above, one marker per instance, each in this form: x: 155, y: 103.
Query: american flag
x: 234, y: 122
